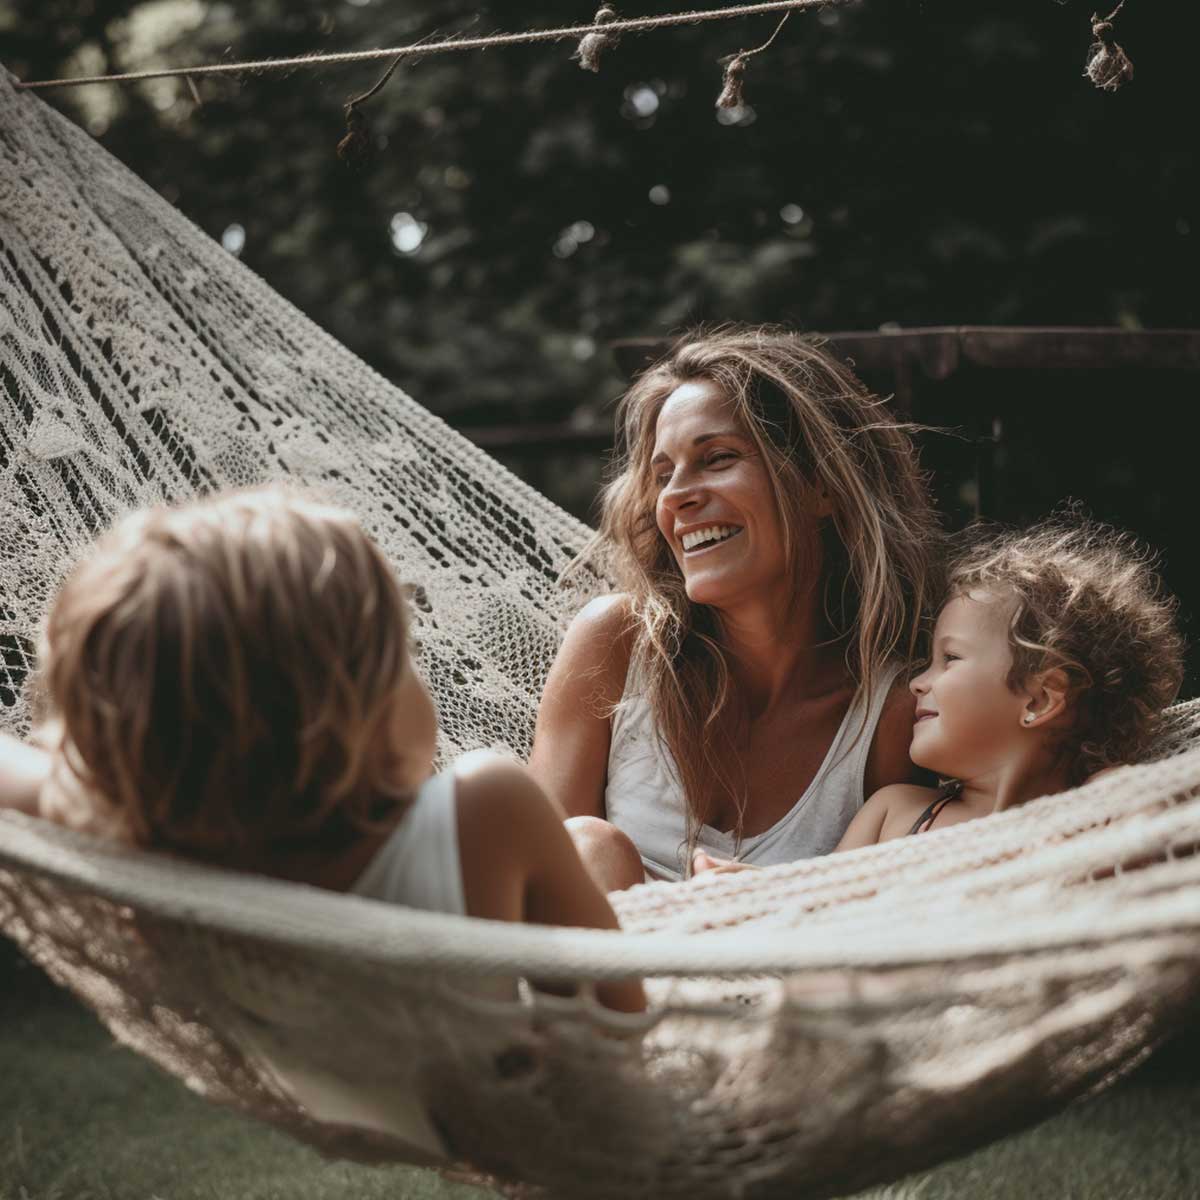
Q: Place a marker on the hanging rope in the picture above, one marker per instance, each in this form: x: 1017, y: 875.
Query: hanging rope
x: 735, y: 65
x: 1108, y: 66
x: 355, y: 146
x: 611, y: 28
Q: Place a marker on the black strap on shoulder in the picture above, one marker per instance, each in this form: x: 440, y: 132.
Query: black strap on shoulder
x: 947, y: 792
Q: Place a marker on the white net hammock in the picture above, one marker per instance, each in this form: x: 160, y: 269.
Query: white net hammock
x: 814, y: 1028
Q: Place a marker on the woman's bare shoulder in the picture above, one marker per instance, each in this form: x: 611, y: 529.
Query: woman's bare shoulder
x: 610, y: 615
x: 600, y: 638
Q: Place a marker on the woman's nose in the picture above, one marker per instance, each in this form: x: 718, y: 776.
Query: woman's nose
x: 678, y: 493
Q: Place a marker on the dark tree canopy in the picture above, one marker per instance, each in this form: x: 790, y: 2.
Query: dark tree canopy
x: 919, y: 163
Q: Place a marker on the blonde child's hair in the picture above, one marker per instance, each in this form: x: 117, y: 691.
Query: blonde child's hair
x: 1090, y: 603
x: 222, y: 675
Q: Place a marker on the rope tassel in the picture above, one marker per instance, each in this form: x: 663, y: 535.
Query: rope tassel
x: 732, y: 95
x: 731, y: 89
x: 1108, y: 66
x: 355, y: 147
x: 593, y: 45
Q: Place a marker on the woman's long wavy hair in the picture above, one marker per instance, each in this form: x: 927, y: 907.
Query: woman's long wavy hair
x: 818, y: 429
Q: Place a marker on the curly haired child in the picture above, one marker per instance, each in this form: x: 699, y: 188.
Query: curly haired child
x: 230, y: 681
x: 1053, y: 659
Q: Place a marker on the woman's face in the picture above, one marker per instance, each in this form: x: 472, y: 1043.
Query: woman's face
x: 715, y: 506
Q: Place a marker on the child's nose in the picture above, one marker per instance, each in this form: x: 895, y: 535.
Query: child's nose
x: 920, y: 684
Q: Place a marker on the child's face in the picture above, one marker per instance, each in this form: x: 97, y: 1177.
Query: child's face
x: 414, y: 727
x: 968, y: 720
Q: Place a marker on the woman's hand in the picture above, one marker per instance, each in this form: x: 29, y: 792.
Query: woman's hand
x: 704, y: 863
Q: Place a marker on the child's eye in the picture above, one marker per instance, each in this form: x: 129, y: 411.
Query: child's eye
x: 947, y: 657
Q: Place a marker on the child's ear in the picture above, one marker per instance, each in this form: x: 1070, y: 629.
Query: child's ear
x: 1047, y: 694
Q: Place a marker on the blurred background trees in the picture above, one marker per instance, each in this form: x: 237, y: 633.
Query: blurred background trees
x: 918, y: 163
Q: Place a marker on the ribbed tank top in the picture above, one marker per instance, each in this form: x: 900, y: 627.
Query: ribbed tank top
x: 644, y: 796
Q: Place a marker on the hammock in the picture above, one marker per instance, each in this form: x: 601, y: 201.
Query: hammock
x: 814, y: 1028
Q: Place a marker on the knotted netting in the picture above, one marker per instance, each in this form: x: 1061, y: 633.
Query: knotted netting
x: 813, y: 1028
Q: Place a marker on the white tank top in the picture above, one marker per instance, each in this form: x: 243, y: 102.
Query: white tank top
x: 644, y: 796
x: 419, y: 864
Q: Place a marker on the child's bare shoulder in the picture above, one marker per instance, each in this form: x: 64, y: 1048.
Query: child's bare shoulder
x: 497, y: 794
x: 884, y: 814
x: 898, y: 806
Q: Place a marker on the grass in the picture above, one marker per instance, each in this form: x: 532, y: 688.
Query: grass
x: 82, y: 1119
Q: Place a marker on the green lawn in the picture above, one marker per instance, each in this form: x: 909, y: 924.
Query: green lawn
x: 82, y: 1119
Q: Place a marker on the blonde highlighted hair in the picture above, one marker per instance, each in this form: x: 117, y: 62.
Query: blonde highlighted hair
x: 221, y: 675
x: 1088, y: 602
x: 818, y: 430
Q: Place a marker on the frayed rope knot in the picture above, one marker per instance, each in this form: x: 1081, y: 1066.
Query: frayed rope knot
x: 735, y: 67
x: 1108, y: 66
x: 731, y: 87
x: 356, y: 145
x: 593, y: 45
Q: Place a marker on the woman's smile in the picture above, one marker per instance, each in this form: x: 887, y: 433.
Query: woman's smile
x: 701, y: 541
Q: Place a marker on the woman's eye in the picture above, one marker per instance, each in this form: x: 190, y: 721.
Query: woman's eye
x: 720, y: 458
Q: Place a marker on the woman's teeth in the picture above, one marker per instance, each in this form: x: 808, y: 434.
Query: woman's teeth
x: 713, y: 534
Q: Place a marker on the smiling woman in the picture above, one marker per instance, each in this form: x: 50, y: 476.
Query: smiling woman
x: 741, y: 696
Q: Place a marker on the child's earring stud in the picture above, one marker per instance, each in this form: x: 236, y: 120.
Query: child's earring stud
x: 1030, y: 718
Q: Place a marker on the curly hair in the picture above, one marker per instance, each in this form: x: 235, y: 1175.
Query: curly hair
x: 1090, y: 603
x: 218, y: 677
x: 816, y: 426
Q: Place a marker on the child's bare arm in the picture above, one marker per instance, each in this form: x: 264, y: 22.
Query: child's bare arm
x: 868, y: 822
x: 519, y: 863
x: 888, y: 814
x: 23, y: 770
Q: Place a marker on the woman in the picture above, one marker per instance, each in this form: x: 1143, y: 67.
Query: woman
x: 743, y: 694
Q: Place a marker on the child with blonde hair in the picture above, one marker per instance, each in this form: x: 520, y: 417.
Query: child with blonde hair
x: 230, y: 681
x: 1053, y: 659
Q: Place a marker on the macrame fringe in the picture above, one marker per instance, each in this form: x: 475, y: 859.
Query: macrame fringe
x: 593, y: 45
x: 1108, y: 66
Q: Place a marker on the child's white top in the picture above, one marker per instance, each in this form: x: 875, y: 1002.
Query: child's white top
x: 644, y: 796
x: 419, y: 864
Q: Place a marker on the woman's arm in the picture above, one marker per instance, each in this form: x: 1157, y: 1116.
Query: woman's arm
x: 519, y: 864
x: 23, y: 770
x: 888, y: 761
x: 574, y: 725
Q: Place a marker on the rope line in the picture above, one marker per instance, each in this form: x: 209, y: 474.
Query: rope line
x: 632, y: 25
